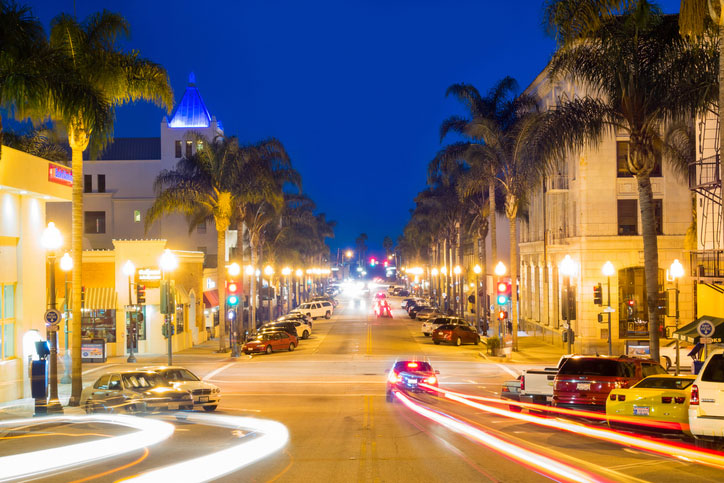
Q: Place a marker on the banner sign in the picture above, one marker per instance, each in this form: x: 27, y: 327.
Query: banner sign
x: 60, y: 175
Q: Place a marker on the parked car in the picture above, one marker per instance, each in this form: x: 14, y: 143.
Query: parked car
x: 408, y: 302
x: 297, y: 328
x: 455, y: 334
x: 427, y: 314
x: 661, y: 398
x: 408, y: 375
x: 316, y: 309
x: 511, y: 391
x: 205, y: 395
x: 416, y: 308
x: 133, y: 392
x: 403, y: 293
x: 269, y: 342
x: 706, y: 406
x: 432, y: 323
x: 667, y: 353
x: 536, y: 386
x: 296, y: 316
x: 584, y: 382
x: 324, y: 298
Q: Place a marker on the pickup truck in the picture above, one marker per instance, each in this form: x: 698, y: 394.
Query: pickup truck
x: 536, y: 386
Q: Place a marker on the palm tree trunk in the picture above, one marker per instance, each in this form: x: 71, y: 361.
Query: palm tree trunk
x: 252, y: 286
x: 514, y: 279
x: 493, y: 233
x: 651, y: 261
x: 78, y: 141
x: 482, y: 255
x: 221, y: 282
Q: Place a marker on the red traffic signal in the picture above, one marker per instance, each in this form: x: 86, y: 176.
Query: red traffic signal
x: 502, y: 293
x: 502, y: 315
x: 232, y: 297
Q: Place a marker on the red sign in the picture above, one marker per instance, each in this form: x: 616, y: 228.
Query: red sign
x: 60, y: 175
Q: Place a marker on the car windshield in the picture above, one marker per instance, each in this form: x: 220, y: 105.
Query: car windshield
x: 415, y: 366
x: 179, y: 375
x: 595, y: 366
x: 665, y: 383
x: 140, y: 380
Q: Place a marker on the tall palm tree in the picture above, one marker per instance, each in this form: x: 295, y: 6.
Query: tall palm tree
x: 92, y: 54
x: 387, y: 244
x: 361, y: 242
x: 643, y: 76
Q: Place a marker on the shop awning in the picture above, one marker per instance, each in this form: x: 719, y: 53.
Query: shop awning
x: 211, y: 298
x: 100, y: 298
x: 182, y: 296
x: 689, y: 333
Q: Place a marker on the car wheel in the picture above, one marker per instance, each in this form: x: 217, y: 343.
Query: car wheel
x: 426, y: 334
x: 390, y: 397
x: 458, y: 341
x: 208, y: 409
x: 89, y: 407
x: 328, y: 315
x: 268, y: 349
x: 305, y: 335
x: 436, y: 342
x: 291, y: 346
x: 477, y: 340
x: 666, y: 362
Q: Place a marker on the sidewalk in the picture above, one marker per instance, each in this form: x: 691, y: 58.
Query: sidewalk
x: 531, y: 350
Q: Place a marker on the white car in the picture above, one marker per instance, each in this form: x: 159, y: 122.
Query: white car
x: 667, y: 354
x: 316, y: 309
x: 706, y: 404
x: 431, y: 324
x: 204, y: 394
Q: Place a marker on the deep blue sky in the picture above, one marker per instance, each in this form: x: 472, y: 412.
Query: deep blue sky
x: 353, y: 88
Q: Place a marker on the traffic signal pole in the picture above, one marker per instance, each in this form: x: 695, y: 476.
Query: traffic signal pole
x: 608, y: 305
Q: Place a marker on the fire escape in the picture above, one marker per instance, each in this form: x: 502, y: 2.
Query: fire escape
x: 707, y: 261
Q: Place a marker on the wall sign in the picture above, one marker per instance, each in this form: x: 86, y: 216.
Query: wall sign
x: 60, y: 175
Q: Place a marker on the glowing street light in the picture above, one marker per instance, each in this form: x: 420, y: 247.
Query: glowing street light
x: 234, y: 269
x: 500, y: 269
x: 51, y: 240
x: 676, y: 271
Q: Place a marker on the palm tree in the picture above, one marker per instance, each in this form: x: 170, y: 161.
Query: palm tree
x: 91, y: 54
x: 361, y: 242
x: 387, y: 244
x: 643, y: 76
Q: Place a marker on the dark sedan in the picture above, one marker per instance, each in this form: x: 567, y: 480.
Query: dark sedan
x: 455, y: 334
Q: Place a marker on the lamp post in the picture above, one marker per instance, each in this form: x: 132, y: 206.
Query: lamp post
x: 234, y: 270
x: 168, y: 263
x: 66, y: 265
x: 568, y: 269
x: 129, y: 269
x: 458, y: 290
x: 269, y: 272
x: 299, y: 273
x: 677, y: 271
x: 286, y: 271
x: 608, y: 271
x: 500, y: 270
x: 51, y: 240
x: 434, y: 273
x: 249, y: 270
x: 477, y: 270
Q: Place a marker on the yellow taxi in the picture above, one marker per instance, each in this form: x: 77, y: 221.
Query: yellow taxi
x: 658, y: 402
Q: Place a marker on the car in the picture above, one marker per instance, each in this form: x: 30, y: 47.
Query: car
x: 269, y: 342
x: 296, y: 316
x: 427, y: 314
x: 667, y: 354
x: 403, y: 293
x: 706, y: 406
x: 511, y: 392
x: 412, y: 312
x: 205, y: 395
x: 584, y: 382
x: 406, y: 302
x: 295, y: 327
x: 380, y: 295
x: 434, y: 322
x: 316, y: 309
x: 455, y: 334
x: 382, y: 308
x: 133, y: 392
x: 324, y: 298
x: 661, y: 398
x: 407, y: 375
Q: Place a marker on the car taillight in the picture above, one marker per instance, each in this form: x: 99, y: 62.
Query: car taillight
x: 666, y: 399
x: 694, y: 400
x: 621, y: 397
x: 505, y: 389
x: 522, y: 383
x: 431, y: 380
x: 679, y: 400
x: 394, y: 377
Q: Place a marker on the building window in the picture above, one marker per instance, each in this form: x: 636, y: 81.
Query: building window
x: 622, y: 170
x: 99, y: 324
x: 199, y: 145
x: 627, y: 217
x: 201, y: 227
x: 95, y: 221
x: 101, y: 183
x: 7, y: 321
x: 178, y: 149
x: 659, y: 216
x: 180, y: 318
x: 87, y: 183
x: 189, y: 146
x: 137, y: 216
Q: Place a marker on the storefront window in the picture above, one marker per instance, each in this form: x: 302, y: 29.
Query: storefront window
x: 7, y: 321
x: 180, y: 322
x: 99, y: 324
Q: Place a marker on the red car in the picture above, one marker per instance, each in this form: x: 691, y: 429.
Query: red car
x: 271, y: 341
x: 408, y: 375
x: 583, y: 382
x: 382, y: 308
x: 455, y: 334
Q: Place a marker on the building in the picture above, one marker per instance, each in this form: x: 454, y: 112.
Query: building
x: 589, y: 211
x: 27, y: 185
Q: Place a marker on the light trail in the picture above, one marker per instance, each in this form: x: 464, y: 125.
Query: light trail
x: 680, y: 451
x: 150, y: 432
x: 541, y: 464
x: 274, y: 437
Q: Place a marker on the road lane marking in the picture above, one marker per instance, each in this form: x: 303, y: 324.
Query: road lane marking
x: 119, y: 468
x: 507, y: 369
x: 216, y: 371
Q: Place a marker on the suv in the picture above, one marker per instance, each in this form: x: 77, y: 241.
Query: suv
x: 706, y: 405
x: 434, y: 322
x: 295, y: 327
x: 316, y: 309
x: 583, y: 382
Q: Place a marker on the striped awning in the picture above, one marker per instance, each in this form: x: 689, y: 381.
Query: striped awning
x: 100, y: 298
x: 211, y: 298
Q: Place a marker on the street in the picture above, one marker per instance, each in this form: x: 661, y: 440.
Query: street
x: 330, y: 395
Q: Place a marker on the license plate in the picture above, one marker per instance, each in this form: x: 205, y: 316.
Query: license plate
x: 583, y: 386
x: 204, y: 399
x: 173, y: 405
x: 412, y: 382
x: 641, y: 410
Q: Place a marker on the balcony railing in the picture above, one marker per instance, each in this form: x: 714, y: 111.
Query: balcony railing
x: 705, y: 173
x: 707, y: 264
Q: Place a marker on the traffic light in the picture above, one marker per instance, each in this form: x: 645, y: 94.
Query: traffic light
x: 164, y: 330
x: 502, y: 315
x: 502, y: 293
x: 597, y: 294
x: 140, y: 294
x: 232, y: 294
x: 373, y: 262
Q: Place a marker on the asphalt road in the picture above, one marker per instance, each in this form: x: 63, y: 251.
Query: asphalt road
x: 330, y: 395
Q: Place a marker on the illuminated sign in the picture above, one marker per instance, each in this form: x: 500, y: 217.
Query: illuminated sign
x: 60, y: 175
x: 147, y: 274
x: 210, y: 284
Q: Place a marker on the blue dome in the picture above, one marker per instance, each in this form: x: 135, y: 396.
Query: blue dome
x: 191, y: 111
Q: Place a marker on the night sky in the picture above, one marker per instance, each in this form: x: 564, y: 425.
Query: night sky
x: 354, y: 89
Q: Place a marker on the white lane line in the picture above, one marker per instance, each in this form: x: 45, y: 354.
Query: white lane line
x: 216, y: 371
x: 507, y: 369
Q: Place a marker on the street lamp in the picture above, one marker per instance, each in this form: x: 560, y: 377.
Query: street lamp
x: 608, y: 272
x: 129, y: 269
x: 168, y: 263
x: 249, y: 271
x: 51, y: 240
x: 568, y: 269
x: 269, y: 271
x: 66, y: 265
x: 500, y: 269
x: 434, y: 273
x: 477, y: 270
x: 286, y: 271
x: 458, y: 288
x: 677, y: 271
x: 299, y: 273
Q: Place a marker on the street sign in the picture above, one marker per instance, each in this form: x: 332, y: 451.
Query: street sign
x: 706, y: 340
x: 52, y: 317
x: 609, y: 310
x: 705, y: 328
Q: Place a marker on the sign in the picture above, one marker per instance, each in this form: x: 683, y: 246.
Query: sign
x: 93, y: 350
x: 706, y: 340
x: 146, y: 274
x: 705, y: 328
x: 52, y: 317
x: 60, y: 175
x: 609, y: 310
